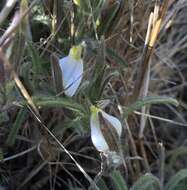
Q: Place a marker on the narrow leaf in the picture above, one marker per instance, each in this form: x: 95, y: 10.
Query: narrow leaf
x: 35, y: 58
x: 15, y: 128
x: 1, y: 154
x: 114, y: 55
x: 118, y: 181
x: 102, y: 185
x: 147, y: 182
x: 2, y: 72
x: 149, y: 101
x: 176, y: 180
x: 52, y: 101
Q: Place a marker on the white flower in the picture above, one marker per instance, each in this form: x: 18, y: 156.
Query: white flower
x: 72, y: 70
x: 77, y: 2
x: 105, y: 130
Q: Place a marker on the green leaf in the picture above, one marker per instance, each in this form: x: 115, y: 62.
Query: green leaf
x: 35, y: 58
x: 149, y: 101
x: 118, y: 180
x: 96, y: 85
x: 4, y: 117
x: 114, y: 55
x: 15, y: 128
x: 102, y: 185
x: 111, y: 18
x: 1, y: 155
x: 52, y: 101
x: 174, y: 154
x: 176, y: 180
x: 147, y: 182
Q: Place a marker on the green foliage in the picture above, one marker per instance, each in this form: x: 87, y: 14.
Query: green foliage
x: 17, y: 125
x: 3, y: 118
x: 52, y: 102
x: 97, y: 84
x: 102, y: 185
x: 147, y: 182
x: 178, y: 181
x: 46, y: 32
x: 118, y: 180
x: 175, y: 154
x: 1, y: 155
x: 35, y: 59
x: 149, y: 101
x: 114, y: 55
x: 110, y: 18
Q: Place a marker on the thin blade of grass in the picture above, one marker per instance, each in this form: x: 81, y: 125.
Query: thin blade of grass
x: 33, y: 173
x: 119, y: 182
x: 147, y: 182
x: 6, y: 10
x: 149, y: 101
x: 15, y: 128
x: 114, y: 55
x: 176, y: 180
x: 52, y: 101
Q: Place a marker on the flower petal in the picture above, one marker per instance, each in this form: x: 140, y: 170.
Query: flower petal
x: 96, y: 134
x: 114, y: 121
x: 72, y: 71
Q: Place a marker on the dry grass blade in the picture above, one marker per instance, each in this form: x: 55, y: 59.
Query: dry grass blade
x: 33, y: 173
x: 134, y: 149
x: 147, y: 76
x: 148, y: 49
x: 155, y: 23
x: 11, y: 29
x: 134, y: 67
x: 142, y: 82
x: 9, y: 5
x: 18, y: 154
x: 56, y: 73
x: 131, y: 5
x: 66, y: 151
x: 156, y: 12
x: 162, y: 165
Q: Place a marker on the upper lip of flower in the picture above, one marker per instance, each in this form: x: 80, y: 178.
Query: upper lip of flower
x: 72, y: 70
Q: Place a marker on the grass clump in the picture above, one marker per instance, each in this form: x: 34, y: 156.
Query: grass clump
x: 133, y: 56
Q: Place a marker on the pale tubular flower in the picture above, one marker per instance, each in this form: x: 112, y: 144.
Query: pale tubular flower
x: 72, y: 70
x: 77, y: 2
x: 98, y: 137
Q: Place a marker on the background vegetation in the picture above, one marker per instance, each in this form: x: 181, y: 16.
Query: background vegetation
x: 44, y: 135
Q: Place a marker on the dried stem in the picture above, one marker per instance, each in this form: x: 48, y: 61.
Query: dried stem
x: 149, y: 48
x: 6, y: 10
